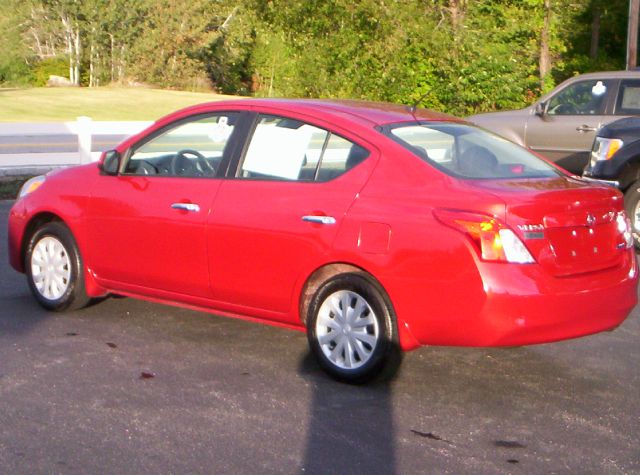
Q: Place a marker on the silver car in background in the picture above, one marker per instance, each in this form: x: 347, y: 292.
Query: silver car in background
x: 562, y: 124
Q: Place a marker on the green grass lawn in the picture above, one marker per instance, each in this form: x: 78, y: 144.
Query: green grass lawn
x: 103, y: 103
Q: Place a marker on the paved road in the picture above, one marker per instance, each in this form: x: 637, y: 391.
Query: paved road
x: 233, y: 397
x: 55, y: 143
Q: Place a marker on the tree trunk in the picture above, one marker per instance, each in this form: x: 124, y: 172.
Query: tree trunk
x: 121, y: 63
x: 632, y: 34
x: 545, y: 59
x: 92, y: 67
x: 68, y: 36
x: 113, y: 65
x: 595, y: 33
x: 77, y: 52
x: 457, y: 10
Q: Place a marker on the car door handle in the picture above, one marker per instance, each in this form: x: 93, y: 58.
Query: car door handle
x: 320, y: 219
x: 194, y: 208
x: 586, y: 128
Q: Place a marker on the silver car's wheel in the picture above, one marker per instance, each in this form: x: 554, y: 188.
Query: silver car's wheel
x: 351, y: 329
x: 54, y: 268
x: 50, y: 268
x: 347, y: 329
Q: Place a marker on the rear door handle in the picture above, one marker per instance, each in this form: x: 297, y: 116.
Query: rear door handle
x: 194, y: 208
x: 320, y: 219
x: 586, y: 128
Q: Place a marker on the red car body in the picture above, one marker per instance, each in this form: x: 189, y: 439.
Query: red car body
x: 248, y: 254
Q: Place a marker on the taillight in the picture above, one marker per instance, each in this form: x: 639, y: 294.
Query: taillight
x: 493, y: 239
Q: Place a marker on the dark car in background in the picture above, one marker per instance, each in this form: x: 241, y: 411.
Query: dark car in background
x: 562, y: 124
x: 615, y: 157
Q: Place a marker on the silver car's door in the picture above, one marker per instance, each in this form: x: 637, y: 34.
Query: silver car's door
x: 564, y: 132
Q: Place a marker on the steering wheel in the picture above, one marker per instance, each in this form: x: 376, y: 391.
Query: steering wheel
x: 182, y: 165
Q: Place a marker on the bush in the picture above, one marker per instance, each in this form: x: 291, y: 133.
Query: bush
x: 14, y: 71
x: 57, y: 66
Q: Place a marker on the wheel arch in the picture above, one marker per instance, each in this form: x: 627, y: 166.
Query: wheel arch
x: 33, y: 225
x: 43, y: 217
x: 629, y: 172
x: 330, y: 270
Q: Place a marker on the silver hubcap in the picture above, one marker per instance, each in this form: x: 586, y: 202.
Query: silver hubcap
x: 347, y: 329
x: 50, y: 268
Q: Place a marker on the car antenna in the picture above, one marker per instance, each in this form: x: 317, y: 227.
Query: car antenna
x: 413, y: 107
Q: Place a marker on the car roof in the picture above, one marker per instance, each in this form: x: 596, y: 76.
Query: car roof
x: 635, y: 74
x: 366, y: 112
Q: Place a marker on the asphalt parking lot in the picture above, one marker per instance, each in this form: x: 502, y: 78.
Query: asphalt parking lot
x: 127, y: 386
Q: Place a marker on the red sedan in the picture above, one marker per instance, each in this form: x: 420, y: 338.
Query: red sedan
x: 375, y: 227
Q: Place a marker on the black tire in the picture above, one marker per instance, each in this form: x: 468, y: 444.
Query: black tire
x: 366, y: 361
x: 71, y: 290
x: 631, y: 204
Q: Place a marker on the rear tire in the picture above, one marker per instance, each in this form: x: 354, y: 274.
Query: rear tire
x: 632, y: 208
x: 351, y: 329
x: 54, y: 268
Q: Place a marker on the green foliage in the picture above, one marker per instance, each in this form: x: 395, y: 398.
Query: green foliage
x: 459, y: 56
x: 50, y: 66
x: 14, y: 71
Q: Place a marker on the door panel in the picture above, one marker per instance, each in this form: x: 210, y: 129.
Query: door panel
x: 565, y: 133
x: 138, y: 237
x: 557, y: 138
x: 147, y: 225
x: 260, y: 244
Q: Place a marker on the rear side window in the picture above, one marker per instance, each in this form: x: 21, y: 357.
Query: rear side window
x: 469, y: 152
x: 628, y: 101
x: 288, y: 149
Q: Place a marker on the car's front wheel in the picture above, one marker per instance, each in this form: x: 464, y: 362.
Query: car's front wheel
x: 352, y: 331
x: 54, y: 268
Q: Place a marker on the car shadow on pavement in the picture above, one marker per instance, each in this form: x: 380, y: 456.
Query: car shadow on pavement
x: 20, y: 314
x: 350, y: 428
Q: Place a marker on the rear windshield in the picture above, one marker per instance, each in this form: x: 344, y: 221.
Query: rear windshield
x: 469, y: 152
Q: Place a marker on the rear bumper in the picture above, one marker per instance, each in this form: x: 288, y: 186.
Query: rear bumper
x: 513, y: 305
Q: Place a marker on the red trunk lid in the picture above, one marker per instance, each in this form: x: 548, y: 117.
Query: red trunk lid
x: 568, y: 226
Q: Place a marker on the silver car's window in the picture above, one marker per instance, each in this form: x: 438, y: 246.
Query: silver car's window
x: 468, y: 152
x: 581, y: 98
x: 628, y: 101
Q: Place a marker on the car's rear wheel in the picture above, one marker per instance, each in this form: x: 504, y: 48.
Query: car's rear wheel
x: 54, y: 268
x: 352, y: 331
x: 632, y: 207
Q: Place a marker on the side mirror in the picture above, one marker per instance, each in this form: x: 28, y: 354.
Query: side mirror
x: 541, y: 109
x: 110, y: 162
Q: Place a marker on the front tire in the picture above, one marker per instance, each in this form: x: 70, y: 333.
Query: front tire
x: 632, y: 208
x: 54, y: 268
x: 352, y: 331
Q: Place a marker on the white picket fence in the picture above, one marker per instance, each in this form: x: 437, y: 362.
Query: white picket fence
x: 83, y: 128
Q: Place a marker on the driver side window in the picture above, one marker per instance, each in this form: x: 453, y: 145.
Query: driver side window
x: 581, y: 98
x: 193, y: 148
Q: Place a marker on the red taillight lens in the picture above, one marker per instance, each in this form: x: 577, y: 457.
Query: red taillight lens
x: 494, y: 240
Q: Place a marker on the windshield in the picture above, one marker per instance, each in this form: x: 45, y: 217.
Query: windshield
x: 469, y: 152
